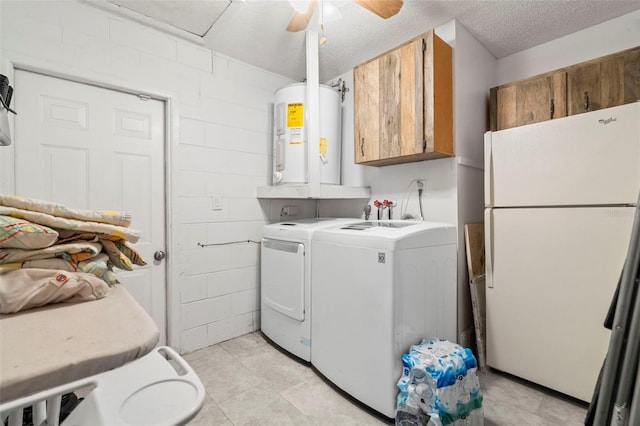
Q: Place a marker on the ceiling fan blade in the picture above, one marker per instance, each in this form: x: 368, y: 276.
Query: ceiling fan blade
x: 383, y: 8
x: 299, y: 21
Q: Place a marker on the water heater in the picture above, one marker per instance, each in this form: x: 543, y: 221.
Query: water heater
x: 290, y: 141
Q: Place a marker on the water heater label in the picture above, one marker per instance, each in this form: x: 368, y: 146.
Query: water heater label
x: 295, y: 114
x: 295, y: 136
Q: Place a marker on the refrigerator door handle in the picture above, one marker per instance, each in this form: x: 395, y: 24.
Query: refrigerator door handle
x: 488, y: 172
x: 488, y: 246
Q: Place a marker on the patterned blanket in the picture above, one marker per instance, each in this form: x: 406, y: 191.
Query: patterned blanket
x: 44, y: 235
x: 55, y: 209
x: 46, y: 219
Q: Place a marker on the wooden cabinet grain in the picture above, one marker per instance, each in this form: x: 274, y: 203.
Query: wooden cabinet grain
x: 530, y: 101
x: 604, y: 82
x: 403, y: 104
x: 595, y: 85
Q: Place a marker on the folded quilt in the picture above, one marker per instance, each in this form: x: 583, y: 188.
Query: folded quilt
x: 22, y: 289
x: 121, y: 255
x: 58, y: 223
x: 98, y: 266
x: 75, y: 252
x: 69, y: 236
x: 20, y: 233
x: 59, y: 210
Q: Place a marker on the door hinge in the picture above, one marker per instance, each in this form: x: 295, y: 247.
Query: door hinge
x: 143, y: 97
x: 424, y: 45
x: 424, y: 145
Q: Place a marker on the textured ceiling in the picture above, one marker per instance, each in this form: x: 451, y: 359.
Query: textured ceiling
x: 194, y: 16
x: 254, y: 30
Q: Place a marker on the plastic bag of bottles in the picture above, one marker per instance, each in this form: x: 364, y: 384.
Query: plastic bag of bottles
x: 439, y: 386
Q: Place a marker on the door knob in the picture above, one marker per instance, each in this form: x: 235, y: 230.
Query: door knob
x: 159, y: 255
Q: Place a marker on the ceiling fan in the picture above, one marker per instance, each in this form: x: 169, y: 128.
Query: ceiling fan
x: 301, y: 17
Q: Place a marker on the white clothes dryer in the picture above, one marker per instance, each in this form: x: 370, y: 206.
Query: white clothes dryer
x: 378, y: 288
x: 285, y: 283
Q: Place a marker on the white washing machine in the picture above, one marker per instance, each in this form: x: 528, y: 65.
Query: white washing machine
x: 285, y: 282
x: 378, y: 288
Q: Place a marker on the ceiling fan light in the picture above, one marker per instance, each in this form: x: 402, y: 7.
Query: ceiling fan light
x: 330, y: 11
x: 300, y: 6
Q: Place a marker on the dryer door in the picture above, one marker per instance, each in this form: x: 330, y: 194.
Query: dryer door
x: 282, y: 279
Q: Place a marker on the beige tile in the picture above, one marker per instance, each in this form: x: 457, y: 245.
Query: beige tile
x: 244, y: 345
x: 501, y: 413
x: 249, y: 382
x: 210, y: 415
x: 221, y: 374
x: 261, y: 406
x: 230, y: 380
x: 320, y: 402
x: 207, y: 355
x: 562, y: 411
x: 499, y: 388
x: 276, y: 369
x: 207, y: 361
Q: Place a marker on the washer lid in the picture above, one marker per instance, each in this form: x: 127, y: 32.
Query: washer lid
x: 389, y: 235
x: 301, y: 229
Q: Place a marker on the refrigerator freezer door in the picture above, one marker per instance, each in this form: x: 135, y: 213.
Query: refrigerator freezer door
x: 554, y: 272
x: 585, y: 159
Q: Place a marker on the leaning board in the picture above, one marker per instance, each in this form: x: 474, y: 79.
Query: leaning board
x: 474, y: 239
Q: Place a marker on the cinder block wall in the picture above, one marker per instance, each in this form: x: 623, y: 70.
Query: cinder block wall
x: 223, y: 149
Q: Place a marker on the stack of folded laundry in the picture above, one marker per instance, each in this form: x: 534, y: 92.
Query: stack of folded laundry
x: 51, y: 253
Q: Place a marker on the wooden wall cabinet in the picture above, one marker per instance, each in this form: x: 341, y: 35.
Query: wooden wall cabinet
x: 530, y: 101
x: 604, y: 82
x: 403, y: 107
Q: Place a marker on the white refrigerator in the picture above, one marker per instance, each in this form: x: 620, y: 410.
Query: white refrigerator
x: 559, y: 198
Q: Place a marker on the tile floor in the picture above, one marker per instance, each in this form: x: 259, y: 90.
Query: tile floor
x: 250, y: 382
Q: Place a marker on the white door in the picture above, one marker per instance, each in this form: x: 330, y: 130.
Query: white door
x: 95, y: 148
x: 551, y: 275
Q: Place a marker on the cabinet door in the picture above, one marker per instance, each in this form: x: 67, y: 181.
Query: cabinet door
x: 632, y: 76
x: 401, y: 80
x: 596, y: 85
x: 366, y: 106
x: 541, y: 99
x: 403, y: 104
x: 437, y: 98
x: 388, y: 104
x: 531, y: 101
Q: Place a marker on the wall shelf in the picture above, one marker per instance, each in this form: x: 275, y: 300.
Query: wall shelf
x: 305, y: 191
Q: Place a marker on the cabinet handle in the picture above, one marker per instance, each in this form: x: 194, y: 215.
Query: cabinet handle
x: 586, y: 101
x: 552, y: 108
x: 362, y: 146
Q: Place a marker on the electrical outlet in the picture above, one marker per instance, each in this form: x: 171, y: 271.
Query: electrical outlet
x: 289, y: 211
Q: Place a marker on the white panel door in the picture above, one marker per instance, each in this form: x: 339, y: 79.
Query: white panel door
x: 551, y: 275
x: 94, y: 148
x: 585, y: 159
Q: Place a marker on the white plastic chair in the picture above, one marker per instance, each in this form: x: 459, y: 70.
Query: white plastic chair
x: 157, y: 389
